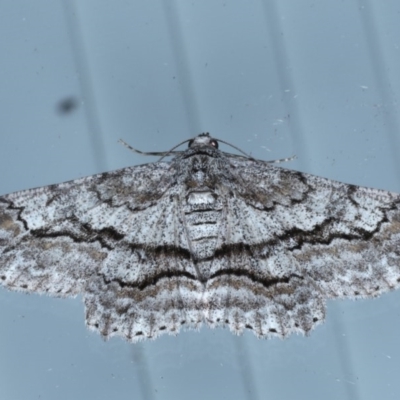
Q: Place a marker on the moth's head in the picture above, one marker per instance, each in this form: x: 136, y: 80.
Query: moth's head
x: 204, y: 139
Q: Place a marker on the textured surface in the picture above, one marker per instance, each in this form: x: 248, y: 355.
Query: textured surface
x: 206, y: 238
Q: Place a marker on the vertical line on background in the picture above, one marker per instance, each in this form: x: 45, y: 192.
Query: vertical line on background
x: 83, y: 72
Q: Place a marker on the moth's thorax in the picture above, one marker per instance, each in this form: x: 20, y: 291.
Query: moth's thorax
x: 198, y: 169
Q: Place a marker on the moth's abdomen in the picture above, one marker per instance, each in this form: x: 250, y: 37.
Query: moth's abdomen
x: 203, y: 212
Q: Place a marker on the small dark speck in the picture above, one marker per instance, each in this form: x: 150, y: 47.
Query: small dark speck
x: 139, y: 333
x: 67, y: 105
x: 248, y: 326
x: 3, y: 278
x: 273, y: 330
x: 163, y: 328
x: 315, y: 319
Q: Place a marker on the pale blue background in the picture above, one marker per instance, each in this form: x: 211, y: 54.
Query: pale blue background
x: 319, y: 79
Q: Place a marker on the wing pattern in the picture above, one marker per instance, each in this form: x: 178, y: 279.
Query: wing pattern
x: 206, y: 238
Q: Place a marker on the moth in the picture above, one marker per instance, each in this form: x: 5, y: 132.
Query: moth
x: 208, y: 237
